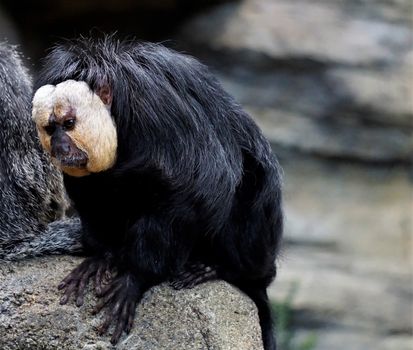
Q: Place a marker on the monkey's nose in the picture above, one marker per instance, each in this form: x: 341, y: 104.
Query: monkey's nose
x: 60, y: 149
x: 65, y: 148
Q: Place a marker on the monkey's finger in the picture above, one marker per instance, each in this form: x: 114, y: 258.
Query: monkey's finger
x: 110, y: 315
x: 99, y: 306
x: 190, y: 280
x: 75, y: 274
x: 79, y: 299
x: 131, y: 316
x: 177, y: 285
x: 108, y: 276
x: 103, y: 301
x: 121, y: 322
x: 83, y: 282
x: 101, y: 277
x: 68, y: 279
x: 68, y: 292
x: 203, y: 276
x: 103, y: 328
x: 98, y: 281
x: 108, y: 288
x: 116, y: 335
x: 61, y: 285
x: 178, y: 281
x: 80, y: 291
x: 125, y: 311
x: 201, y: 279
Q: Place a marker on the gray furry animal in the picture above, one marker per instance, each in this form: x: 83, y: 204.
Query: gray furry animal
x: 32, y: 196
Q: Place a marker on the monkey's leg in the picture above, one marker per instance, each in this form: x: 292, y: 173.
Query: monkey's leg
x: 146, y: 259
x: 193, y: 275
x: 77, y: 280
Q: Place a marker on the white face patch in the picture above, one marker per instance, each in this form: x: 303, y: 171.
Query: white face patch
x: 94, y: 132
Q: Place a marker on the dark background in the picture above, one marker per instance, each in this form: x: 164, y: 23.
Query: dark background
x: 44, y: 22
x: 330, y: 83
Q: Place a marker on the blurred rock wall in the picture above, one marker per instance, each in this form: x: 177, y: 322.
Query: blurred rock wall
x: 338, y: 72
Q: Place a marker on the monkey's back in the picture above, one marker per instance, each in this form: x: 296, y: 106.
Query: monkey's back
x: 31, y: 188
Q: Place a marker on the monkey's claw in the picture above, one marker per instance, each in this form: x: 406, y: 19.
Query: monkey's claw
x: 120, y: 298
x: 75, y: 282
x: 193, y: 275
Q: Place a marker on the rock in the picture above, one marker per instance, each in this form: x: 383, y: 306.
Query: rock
x: 356, y: 340
x: 348, y: 236
x: 214, y: 315
x: 335, y: 138
x: 384, y: 96
x: 320, y: 30
x: 338, y: 72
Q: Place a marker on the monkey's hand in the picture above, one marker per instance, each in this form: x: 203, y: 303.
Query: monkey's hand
x: 120, y: 297
x: 192, y: 275
x: 76, y: 281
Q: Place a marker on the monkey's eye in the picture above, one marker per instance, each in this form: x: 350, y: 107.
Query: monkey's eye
x: 69, y: 124
x: 50, y: 129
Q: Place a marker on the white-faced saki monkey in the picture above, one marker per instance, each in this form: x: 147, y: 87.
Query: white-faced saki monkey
x: 171, y: 178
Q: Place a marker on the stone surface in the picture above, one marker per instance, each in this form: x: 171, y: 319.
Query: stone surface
x: 348, y: 250
x: 339, y: 72
x: 211, y: 316
x: 335, y: 138
x: 321, y: 30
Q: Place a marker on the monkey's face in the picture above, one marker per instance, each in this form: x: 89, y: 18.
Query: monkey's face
x: 75, y: 127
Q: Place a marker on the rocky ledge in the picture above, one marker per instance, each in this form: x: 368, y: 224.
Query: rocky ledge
x: 214, y: 315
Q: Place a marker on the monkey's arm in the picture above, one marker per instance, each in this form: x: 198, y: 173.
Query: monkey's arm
x: 148, y: 257
x: 59, y: 237
x: 153, y: 252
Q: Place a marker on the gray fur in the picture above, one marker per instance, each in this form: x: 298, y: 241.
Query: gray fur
x: 32, y: 195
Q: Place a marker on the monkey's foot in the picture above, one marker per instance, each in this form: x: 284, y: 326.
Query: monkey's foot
x: 120, y: 298
x: 75, y: 282
x: 193, y: 275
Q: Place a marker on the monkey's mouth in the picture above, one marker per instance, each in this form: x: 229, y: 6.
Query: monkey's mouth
x: 73, y: 161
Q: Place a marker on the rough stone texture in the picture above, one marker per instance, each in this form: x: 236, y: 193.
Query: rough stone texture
x: 335, y: 138
x: 339, y: 72
x: 322, y: 30
x: 214, y: 315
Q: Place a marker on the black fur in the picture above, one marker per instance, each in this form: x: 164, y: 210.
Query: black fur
x: 195, y: 180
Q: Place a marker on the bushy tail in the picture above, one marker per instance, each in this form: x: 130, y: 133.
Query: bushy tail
x: 260, y: 298
x: 60, y: 237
